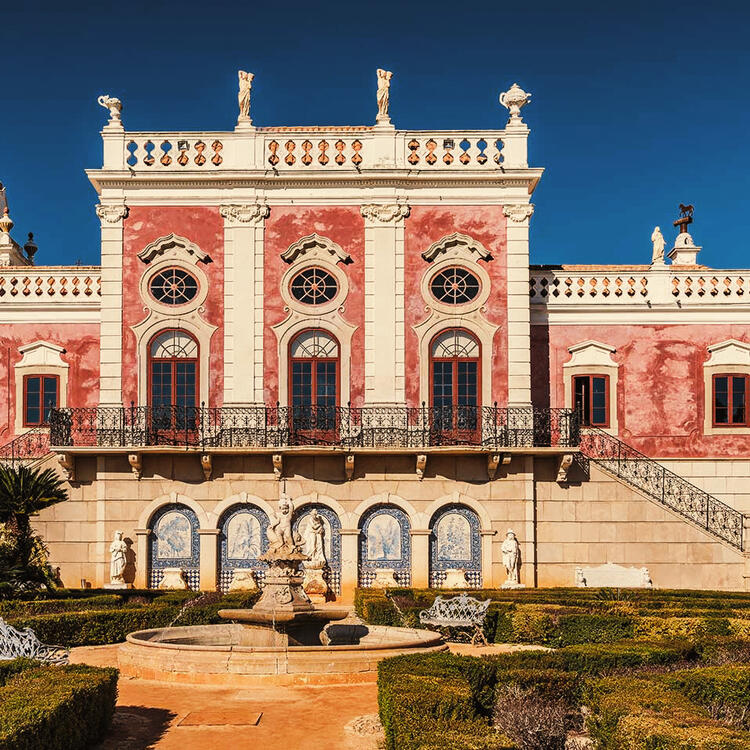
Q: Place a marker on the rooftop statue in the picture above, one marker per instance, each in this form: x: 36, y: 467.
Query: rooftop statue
x: 383, y: 95
x: 113, y: 104
x: 243, y: 96
x: 657, y: 255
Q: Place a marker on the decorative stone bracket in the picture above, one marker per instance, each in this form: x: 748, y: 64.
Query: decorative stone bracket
x: 349, y: 466
x: 68, y: 465
x: 565, y: 463
x: 136, y: 465
x: 207, y: 465
x: 494, y: 460
x: 421, y: 465
x: 278, y: 465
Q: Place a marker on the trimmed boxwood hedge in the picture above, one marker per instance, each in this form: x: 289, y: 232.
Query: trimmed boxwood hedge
x: 98, y: 627
x: 55, y: 708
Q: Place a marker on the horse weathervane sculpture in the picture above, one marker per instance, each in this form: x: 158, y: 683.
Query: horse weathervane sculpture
x: 686, y: 218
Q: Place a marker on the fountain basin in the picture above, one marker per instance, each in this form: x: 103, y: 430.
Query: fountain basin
x: 237, y: 655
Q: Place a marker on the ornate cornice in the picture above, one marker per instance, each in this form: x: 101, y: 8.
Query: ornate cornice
x: 383, y: 213
x: 111, y: 213
x: 519, y: 212
x: 245, y: 213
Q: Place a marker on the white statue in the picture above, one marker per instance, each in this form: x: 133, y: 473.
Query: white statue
x: 111, y: 103
x: 511, y: 550
x: 243, y: 96
x: 279, y: 532
x: 314, y: 540
x: 117, y: 551
x: 383, y: 95
x: 657, y: 255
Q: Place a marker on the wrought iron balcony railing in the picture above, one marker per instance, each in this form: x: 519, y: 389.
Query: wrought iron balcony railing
x: 344, y: 427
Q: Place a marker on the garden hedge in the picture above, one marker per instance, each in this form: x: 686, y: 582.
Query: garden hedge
x: 55, y: 708
x: 648, y: 713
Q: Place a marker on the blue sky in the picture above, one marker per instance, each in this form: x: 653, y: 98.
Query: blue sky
x: 636, y: 107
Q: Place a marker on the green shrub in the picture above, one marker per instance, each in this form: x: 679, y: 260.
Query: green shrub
x: 56, y: 708
x: 680, y: 627
x: 725, y: 691
x: 19, y: 608
x: 9, y: 669
x: 592, y: 628
x: 643, y: 713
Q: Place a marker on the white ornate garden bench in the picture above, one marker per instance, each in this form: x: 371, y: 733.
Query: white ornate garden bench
x: 15, y: 644
x: 462, y: 611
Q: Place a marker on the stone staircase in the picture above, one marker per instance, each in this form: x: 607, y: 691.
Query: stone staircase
x: 659, y: 484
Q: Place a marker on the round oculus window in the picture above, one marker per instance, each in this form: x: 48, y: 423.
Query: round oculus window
x: 314, y: 286
x: 173, y: 286
x: 454, y: 286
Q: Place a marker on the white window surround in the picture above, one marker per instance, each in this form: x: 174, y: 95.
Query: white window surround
x: 731, y: 357
x: 478, y: 326
x: 315, y: 250
x: 174, y: 247
x: 39, y: 358
x: 593, y: 358
x: 173, y: 262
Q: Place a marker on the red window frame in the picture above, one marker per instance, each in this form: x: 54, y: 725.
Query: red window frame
x: 730, y: 387
x: 299, y: 424
x: 42, y: 378
x: 456, y: 428
x: 590, y: 376
x: 173, y: 360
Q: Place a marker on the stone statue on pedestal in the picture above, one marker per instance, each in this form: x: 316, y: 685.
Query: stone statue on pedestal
x: 384, y: 95
x: 314, y: 541
x: 511, y: 551
x: 279, y: 532
x: 118, y: 560
x: 243, y: 96
x: 657, y: 254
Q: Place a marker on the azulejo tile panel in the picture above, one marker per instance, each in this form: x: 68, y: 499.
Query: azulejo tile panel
x: 385, y: 543
x: 174, y: 543
x: 455, y: 543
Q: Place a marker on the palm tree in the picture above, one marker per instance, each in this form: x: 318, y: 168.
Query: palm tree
x: 24, y: 492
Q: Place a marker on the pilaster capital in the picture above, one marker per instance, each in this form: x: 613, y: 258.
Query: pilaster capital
x: 245, y: 213
x: 519, y: 212
x: 384, y: 213
x: 111, y: 213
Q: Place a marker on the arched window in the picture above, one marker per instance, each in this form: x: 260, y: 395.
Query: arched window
x: 454, y: 384
x: 314, y: 383
x: 173, y: 380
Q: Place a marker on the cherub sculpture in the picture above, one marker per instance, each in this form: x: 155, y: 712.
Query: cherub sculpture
x: 279, y: 532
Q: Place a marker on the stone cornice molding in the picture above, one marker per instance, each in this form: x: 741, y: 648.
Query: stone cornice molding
x: 245, y: 213
x: 315, y: 242
x: 111, y: 214
x: 519, y: 212
x: 456, y: 242
x: 384, y: 213
x: 175, y: 243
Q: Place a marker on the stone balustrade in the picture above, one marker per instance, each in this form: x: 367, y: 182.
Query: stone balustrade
x: 56, y: 284
x: 629, y: 285
x: 291, y: 149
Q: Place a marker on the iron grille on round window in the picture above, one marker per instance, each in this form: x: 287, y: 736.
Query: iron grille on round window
x: 454, y: 286
x: 314, y: 286
x: 173, y: 286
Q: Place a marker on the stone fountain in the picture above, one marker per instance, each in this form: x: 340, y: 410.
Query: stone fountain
x: 283, y: 639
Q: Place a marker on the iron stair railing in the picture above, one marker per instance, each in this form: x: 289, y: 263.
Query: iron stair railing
x: 662, y: 485
x: 26, y: 449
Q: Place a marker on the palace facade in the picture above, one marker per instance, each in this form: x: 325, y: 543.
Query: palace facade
x: 347, y: 317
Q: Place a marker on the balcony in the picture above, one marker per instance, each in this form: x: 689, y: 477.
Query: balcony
x: 267, y: 428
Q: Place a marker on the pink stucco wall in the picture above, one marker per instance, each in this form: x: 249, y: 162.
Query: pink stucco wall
x: 660, y: 400
x: 201, y: 225
x: 285, y: 225
x: 81, y: 344
x: 428, y: 224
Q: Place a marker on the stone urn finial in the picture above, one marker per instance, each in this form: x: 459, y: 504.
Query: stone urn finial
x: 513, y: 99
x: 6, y: 223
x: 113, y: 104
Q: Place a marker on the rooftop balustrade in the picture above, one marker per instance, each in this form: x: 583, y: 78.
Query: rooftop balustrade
x: 265, y: 427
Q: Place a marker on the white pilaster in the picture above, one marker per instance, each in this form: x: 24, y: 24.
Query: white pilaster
x: 244, y: 227
x: 110, y: 357
x: 519, y: 327
x: 384, y: 302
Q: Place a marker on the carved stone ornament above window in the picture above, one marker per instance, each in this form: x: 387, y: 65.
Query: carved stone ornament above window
x: 729, y: 352
x: 520, y: 212
x: 244, y: 214
x: 384, y: 213
x: 174, y: 246
x: 316, y: 246
x: 457, y: 245
x: 112, y: 214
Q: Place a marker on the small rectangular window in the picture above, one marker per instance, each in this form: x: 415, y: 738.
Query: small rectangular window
x: 730, y: 400
x: 591, y: 399
x: 40, y: 396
